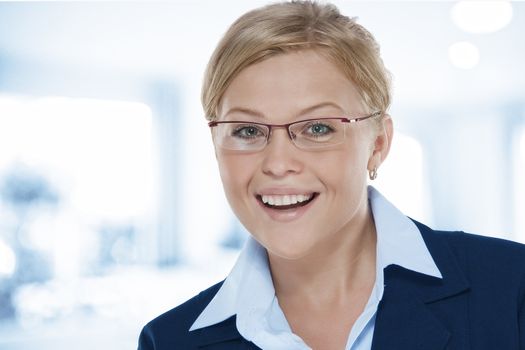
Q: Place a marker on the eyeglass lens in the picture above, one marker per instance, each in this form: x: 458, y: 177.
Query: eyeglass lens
x: 307, y: 134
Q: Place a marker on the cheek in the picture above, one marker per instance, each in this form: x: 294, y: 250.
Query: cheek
x: 235, y: 175
x: 343, y: 168
x: 346, y: 185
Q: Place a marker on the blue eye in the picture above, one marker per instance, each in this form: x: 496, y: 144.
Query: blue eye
x: 248, y: 132
x: 319, y: 129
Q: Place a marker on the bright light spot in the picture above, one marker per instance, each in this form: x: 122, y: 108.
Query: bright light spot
x: 482, y: 16
x: 7, y: 260
x: 463, y: 55
x: 103, y: 149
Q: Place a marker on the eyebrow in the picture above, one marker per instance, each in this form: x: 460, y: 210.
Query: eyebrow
x: 259, y: 115
x: 243, y: 110
x: 321, y: 105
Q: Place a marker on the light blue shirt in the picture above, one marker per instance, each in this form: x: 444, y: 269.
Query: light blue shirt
x: 248, y: 290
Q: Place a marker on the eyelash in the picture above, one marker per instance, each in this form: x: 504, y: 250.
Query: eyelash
x: 328, y: 127
x: 238, y: 131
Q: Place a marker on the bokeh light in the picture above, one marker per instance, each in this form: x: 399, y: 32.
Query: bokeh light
x: 482, y: 16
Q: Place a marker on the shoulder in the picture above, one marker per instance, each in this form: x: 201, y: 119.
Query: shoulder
x: 169, y: 330
x: 481, y: 258
x: 477, y: 246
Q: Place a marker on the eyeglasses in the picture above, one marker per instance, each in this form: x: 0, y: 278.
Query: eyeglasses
x: 308, y: 134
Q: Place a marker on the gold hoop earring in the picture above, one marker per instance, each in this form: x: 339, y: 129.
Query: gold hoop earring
x: 372, y: 174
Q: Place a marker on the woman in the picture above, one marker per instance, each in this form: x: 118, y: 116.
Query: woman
x: 297, y: 98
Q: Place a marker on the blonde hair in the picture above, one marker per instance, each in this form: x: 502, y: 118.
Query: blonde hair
x: 281, y: 27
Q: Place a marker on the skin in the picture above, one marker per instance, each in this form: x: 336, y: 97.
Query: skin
x: 322, y: 262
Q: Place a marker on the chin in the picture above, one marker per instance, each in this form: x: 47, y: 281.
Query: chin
x: 288, y: 249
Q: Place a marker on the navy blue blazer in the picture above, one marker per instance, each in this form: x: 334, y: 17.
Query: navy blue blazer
x: 479, y: 304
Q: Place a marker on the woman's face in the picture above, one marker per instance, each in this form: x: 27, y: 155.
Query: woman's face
x: 282, y: 89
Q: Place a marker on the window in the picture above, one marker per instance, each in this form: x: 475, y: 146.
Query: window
x: 401, y: 179
x: 75, y: 194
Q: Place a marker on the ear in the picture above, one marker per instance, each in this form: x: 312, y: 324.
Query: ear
x: 382, y: 142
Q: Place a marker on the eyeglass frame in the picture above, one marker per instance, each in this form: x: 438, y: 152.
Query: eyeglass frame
x: 286, y: 126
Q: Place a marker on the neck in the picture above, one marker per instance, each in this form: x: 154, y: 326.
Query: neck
x: 339, y: 268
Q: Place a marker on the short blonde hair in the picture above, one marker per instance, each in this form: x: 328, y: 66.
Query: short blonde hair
x: 281, y: 27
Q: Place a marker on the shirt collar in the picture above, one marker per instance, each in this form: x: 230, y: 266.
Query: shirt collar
x: 399, y: 241
x: 248, y: 290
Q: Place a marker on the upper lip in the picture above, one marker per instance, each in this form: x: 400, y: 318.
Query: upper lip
x: 283, y: 191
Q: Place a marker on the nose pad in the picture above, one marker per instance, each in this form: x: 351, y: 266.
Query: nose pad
x: 292, y: 136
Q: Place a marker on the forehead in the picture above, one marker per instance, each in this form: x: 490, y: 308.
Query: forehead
x: 286, y: 85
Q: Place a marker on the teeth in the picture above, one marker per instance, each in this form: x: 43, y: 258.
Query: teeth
x: 286, y: 199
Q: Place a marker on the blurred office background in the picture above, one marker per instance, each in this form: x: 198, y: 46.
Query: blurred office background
x: 111, y: 207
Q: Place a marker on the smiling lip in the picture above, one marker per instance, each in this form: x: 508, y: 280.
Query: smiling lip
x: 286, y: 213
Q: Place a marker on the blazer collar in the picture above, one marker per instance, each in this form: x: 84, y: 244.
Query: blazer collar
x: 217, y: 333
x: 454, y: 280
x: 405, y: 319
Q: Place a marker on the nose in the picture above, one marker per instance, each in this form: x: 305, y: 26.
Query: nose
x: 281, y: 156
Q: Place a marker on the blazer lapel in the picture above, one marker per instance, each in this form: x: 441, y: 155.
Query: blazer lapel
x: 403, y: 321
x: 415, y: 307
x: 221, y: 336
